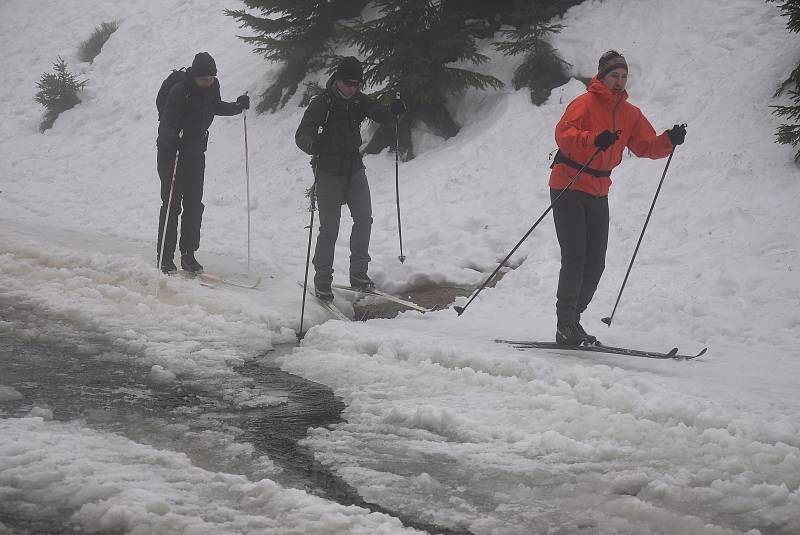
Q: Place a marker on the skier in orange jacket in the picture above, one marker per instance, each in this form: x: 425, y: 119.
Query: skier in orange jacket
x: 602, y: 118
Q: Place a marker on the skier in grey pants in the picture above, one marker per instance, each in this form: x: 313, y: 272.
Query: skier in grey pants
x: 331, y: 132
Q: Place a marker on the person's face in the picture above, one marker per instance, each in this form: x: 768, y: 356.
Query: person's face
x: 615, y: 80
x: 348, y: 88
x: 204, y: 82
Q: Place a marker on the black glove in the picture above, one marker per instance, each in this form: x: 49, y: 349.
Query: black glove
x: 397, y: 107
x: 677, y: 134
x: 243, y: 102
x: 605, y: 139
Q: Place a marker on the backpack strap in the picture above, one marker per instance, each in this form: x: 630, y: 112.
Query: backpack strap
x: 326, y: 98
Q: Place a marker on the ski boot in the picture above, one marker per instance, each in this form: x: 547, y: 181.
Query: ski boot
x: 568, y: 334
x: 361, y: 281
x: 189, y: 263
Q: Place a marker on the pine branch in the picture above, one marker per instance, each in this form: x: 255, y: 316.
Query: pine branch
x: 791, y: 9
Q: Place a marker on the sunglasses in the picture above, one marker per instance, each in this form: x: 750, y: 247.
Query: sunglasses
x: 351, y: 83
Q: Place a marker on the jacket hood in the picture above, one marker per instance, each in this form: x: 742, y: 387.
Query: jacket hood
x: 599, y: 88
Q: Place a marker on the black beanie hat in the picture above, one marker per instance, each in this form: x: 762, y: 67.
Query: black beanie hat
x: 349, y: 69
x: 203, y: 65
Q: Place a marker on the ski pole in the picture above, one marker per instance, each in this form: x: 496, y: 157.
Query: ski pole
x: 608, y: 320
x: 402, y: 257
x: 461, y: 310
x: 247, y: 178
x: 313, y: 199
x: 166, y: 216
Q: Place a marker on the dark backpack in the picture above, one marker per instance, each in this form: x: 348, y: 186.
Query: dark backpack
x: 174, y: 77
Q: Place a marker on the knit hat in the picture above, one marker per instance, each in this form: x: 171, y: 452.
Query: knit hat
x: 203, y: 65
x: 349, y: 69
x: 609, y: 61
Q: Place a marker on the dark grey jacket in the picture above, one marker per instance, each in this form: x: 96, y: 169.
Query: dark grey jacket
x: 337, y: 147
x: 191, y: 110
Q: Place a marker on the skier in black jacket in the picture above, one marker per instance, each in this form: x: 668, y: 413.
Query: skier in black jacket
x: 331, y: 132
x: 183, y: 126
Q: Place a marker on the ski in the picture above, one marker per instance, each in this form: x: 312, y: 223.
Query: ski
x: 600, y: 348
x: 333, y: 309
x: 384, y: 295
x: 249, y: 285
x: 192, y: 276
x: 211, y: 280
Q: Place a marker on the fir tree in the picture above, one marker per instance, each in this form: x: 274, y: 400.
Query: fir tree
x: 90, y: 49
x: 58, y: 91
x: 542, y: 69
x: 491, y: 15
x: 295, y: 32
x: 411, y: 48
x: 789, y: 134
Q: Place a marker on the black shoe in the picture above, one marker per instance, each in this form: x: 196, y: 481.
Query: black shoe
x: 588, y: 339
x: 323, y: 291
x: 168, y: 266
x: 567, y: 334
x: 189, y: 263
x: 361, y: 281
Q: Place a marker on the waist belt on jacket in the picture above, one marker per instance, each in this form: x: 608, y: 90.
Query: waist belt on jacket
x: 560, y: 158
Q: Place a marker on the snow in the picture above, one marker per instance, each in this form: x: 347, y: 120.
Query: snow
x: 441, y: 424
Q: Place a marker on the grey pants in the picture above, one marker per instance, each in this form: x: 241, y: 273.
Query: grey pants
x: 332, y: 192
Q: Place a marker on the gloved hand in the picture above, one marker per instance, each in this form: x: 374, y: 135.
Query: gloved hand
x: 605, y: 139
x: 244, y: 102
x: 677, y: 134
x: 397, y: 107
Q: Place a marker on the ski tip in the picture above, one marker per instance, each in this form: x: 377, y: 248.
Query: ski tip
x: 672, y: 352
x: 607, y: 321
x: 690, y: 357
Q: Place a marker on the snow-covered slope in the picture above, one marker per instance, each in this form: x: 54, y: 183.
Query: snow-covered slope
x: 441, y: 423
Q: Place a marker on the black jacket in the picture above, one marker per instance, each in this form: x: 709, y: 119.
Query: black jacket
x: 191, y: 110
x: 337, y: 147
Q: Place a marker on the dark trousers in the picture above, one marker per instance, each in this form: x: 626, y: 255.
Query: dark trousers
x: 582, y: 229
x: 332, y: 192
x: 187, y: 197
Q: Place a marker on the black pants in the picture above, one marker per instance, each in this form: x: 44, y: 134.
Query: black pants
x: 582, y: 229
x: 187, y: 194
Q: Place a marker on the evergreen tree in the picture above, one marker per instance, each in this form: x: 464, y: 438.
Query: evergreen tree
x: 789, y: 134
x: 410, y: 48
x: 542, y: 69
x: 491, y: 15
x: 58, y: 91
x: 295, y: 32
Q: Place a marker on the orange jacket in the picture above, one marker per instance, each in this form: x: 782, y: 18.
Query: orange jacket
x: 589, y: 114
